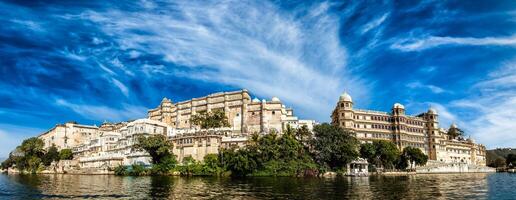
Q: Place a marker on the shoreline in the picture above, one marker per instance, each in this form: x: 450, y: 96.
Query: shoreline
x: 321, y: 176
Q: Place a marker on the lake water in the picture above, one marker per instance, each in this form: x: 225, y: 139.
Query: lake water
x: 442, y: 186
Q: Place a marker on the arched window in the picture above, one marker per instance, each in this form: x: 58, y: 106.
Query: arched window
x: 342, y: 105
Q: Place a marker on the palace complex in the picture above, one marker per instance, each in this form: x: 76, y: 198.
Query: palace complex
x: 421, y: 131
x: 112, y: 144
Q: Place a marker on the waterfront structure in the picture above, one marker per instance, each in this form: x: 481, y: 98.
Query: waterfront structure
x: 115, y: 144
x: 420, y: 131
x: 198, y: 143
x: 68, y: 135
x: 245, y: 116
x: 112, y: 144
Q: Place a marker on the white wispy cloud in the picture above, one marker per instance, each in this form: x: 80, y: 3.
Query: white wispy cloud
x: 297, y: 55
x: 493, y: 108
x: 432, y: 88
x: 121, y: 86
x: 101, y: 113
x: 418, y: 44
x: 375, y: 23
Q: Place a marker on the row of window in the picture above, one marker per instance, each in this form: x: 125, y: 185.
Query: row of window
x: 389, y: 127
x: 458, y: 151
x: 387, y: 119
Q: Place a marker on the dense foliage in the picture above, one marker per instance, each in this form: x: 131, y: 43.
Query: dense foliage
x: 31, y: 157
x: 412, y: 155
x: 495, y: 157
x: 214, y: 119
x: 269, y: 154
x: 510, y: 161
x: 51, y: 155
x: 159, y: 148
x: 386, y: 154
x: 66, y: 154
x: 333, y: 147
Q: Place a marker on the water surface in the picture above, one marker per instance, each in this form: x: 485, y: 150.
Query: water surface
x: 442, y: 186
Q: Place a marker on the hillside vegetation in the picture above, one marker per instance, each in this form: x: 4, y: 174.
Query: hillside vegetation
x: 501, y: 153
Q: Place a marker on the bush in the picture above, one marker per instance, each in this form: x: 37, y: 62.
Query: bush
x: 121, y: 170
x: 137, y: 170
x: 66, y: 154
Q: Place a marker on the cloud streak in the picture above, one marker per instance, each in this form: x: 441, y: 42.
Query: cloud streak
x: 295, y: 56
x: 493, y: 108
x: 419, y: 44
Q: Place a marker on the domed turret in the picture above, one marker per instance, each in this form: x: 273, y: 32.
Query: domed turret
x: 398, y: 105
x: 453, y: 125
x: 345, y: 97
x: 432, y: 111
x: 256, y: 100
x: 275, y: 99
x: 165, y: 100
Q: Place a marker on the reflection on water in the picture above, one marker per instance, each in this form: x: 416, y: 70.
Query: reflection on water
x: 444, y: 186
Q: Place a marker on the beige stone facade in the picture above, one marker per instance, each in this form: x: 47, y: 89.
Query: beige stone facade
x: 68, y: 135
x: 245, y: 116
x: 199, y: 143
x: 421, y: 131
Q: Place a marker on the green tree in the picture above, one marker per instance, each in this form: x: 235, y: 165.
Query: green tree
x: 510, y: 161
x: 303, y: 134
x: 214, y: 119
x: 368, y: 151
x: 211, y: 165
x: 51, y: 155
x: 157, y: 146
x: 33, y: 147
x: 240, y: 162
x: 415, y: 155
x: 386, y: 152
x: 334, y: 147
x: 121, y: 170
x: 190, y: 166
x: 9, y: 162
x: 66, y: 154
x: 455, y: 132
x: 499, y: 163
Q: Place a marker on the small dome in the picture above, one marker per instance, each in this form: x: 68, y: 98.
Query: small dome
x: 165, y: 99
x: 453, y: 125
x: 398, y: 105
x: 345, y: 97
x: 256, y: 100
x: 264, y: 101
x: 275, y: 99
x: 432, y: 111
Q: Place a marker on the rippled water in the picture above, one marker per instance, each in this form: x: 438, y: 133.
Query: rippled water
x: 442, y: 186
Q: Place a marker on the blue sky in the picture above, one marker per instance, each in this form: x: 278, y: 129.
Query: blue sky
x: 98, y: 60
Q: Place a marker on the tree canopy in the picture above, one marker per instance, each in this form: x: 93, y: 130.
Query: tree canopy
x: 333, y: 146
x: 66, y: 154
x: 51, y: 155
x: 213, y: 119
x: 158, y: 147
x: 412, y: 155
x: 381, y: 153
